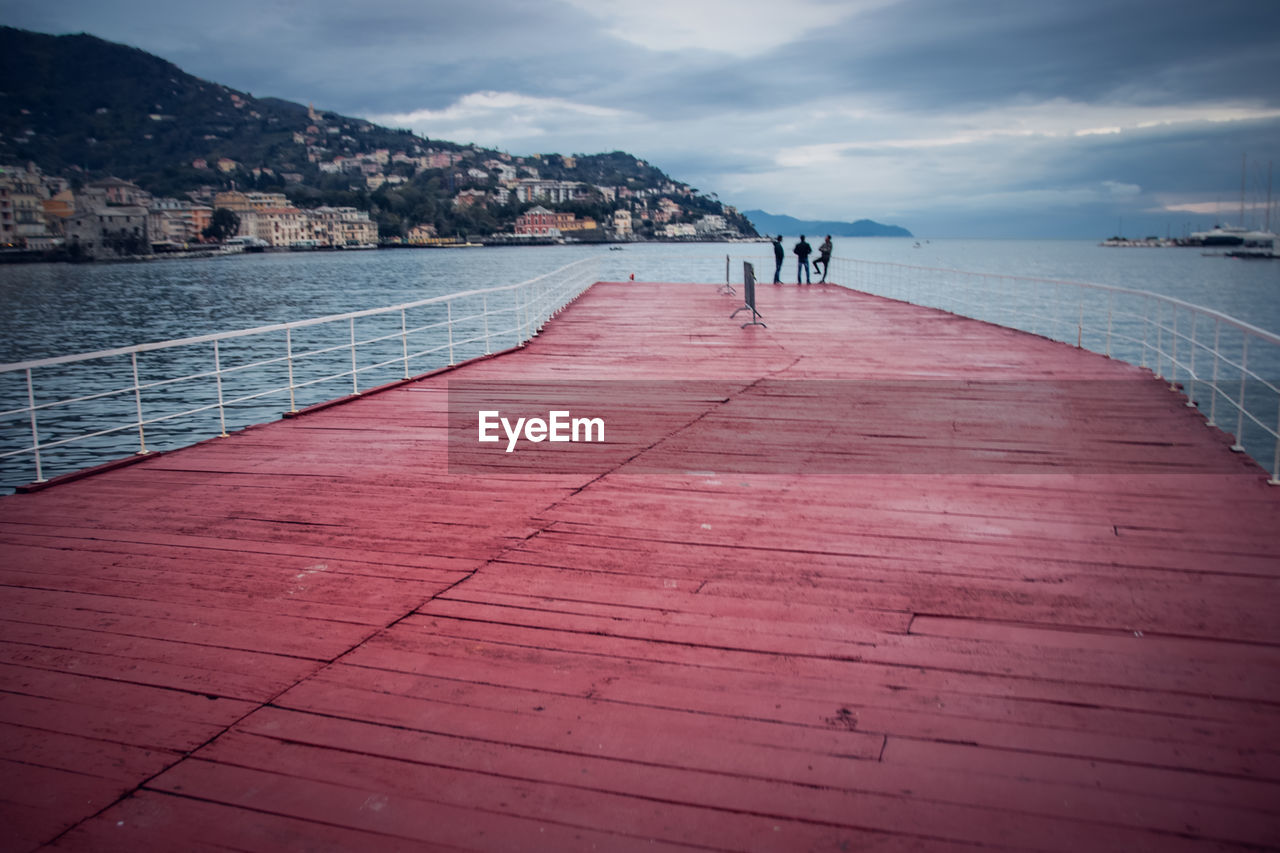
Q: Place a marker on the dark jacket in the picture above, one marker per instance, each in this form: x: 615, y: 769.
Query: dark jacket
x: 802, y: 249
x: 778, y: 252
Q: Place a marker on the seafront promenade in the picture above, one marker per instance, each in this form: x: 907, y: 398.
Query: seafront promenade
x: 1020, y: 597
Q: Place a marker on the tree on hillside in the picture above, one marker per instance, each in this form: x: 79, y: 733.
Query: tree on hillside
x: 223, y: 224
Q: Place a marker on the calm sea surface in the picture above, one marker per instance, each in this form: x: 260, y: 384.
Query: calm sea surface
x: 56, y: 309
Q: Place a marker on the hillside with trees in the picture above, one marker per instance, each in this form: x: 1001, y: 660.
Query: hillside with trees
x: 83, y: 108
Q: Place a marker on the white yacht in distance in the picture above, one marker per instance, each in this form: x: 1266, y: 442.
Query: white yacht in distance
x: 244, y: 244
x: 1220, y: 235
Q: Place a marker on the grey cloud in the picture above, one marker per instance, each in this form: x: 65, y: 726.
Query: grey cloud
x: 936, y: 52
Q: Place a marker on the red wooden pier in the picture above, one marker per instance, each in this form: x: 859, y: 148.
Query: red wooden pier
x: 312, y: 635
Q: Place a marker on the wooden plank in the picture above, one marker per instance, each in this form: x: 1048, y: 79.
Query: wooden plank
x: 138, y: 822
x: 377, y: 807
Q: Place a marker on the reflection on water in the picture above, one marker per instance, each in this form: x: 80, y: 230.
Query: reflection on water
x: 57, y: 309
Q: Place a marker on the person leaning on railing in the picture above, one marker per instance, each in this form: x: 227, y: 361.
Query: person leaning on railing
x: 824, y: 258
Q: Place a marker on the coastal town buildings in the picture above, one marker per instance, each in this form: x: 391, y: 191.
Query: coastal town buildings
x: 622, y: 224
x: 421, y: 235
x: 104, y: 232
x: 554, y: 192
x: 114, y: 217
x: 22, y: 220
x: 58, y: 208
x: 541, y: 222
x: 340, y: 227
x: 469, y: 198
x: 177, y: 222
x: 98, y: 218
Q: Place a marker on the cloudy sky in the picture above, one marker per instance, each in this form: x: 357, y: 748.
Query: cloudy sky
x: 954, y: 118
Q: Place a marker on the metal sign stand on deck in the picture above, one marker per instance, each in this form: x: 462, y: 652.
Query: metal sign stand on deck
x: 749, y: 292
x: 728, y: 285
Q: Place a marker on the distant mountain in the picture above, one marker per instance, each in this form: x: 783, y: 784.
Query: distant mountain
x: 83, y: 108
x: 768, y: 223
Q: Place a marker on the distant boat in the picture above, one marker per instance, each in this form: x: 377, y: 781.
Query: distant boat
x: 1220, y: 235
x: 1258, y: 245
x: 244, y: 244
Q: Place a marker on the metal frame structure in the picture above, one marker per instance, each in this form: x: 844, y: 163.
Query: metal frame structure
x: 749, y: 294
x: 1218, y: 360
x: 510, y: 315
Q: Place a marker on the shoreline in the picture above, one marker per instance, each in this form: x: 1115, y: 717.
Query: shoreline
x: 31, y: 256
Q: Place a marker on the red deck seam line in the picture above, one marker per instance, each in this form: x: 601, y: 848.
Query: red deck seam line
x: 320, y: 666
x: 629, y: 703
x: 72, y: 476
x: 1092, y: 630
x: 365, y: 831
x: 870, y: 830
x: 685, y: 644
x: 181, y: 757
x: 577, y: 753
x: 1111, y: 759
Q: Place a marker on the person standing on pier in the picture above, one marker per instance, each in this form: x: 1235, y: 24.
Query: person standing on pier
x: 779, y: 254
x: 824, y: 258
x: 802, y: 250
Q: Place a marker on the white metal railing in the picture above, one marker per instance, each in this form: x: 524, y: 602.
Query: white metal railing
x: 1226, y: 366
x: 89, y: 400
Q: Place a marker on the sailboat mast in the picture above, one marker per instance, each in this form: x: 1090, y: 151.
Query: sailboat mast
x: 1243, y: 160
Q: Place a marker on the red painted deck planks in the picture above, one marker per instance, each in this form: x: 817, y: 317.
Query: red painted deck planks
x: 329, y: 640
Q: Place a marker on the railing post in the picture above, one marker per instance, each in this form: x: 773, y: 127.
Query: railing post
x: 1213, y: 397
x: 1111, y: 304
x: 1173, y: 359
x: 1146, y: 327
x: 1238, y: 447
x: 1275, y: 459
x: 137, y: 397
x: 531, y: 304
x: 355, y: 377
x: 288, y: 358
x: 404, y: 342
x: 449, y: 322
x: 1080, y: 322
x: 1159, y: 341
x: 522, y: 314
x: 484, y: 310
x: 540, y: 313
x: 1191, y: 366
x: 35, y: 431
x: 217, y: 375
